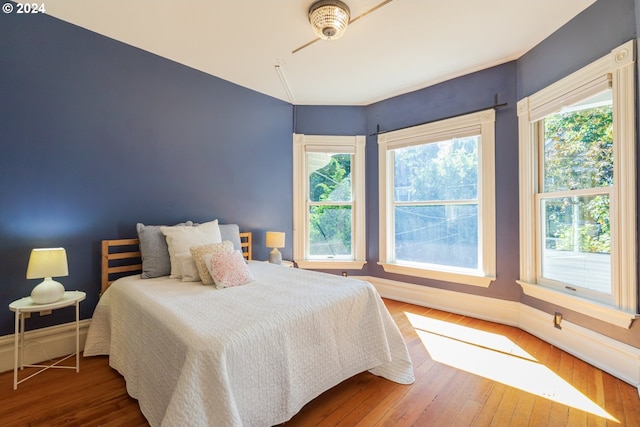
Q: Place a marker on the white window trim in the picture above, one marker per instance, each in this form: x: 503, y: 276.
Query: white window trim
x: 300, y: 191
x: 620, y: 64
x: 440, y: 130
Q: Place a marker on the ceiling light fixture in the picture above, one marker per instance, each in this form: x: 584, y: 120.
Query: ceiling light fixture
x: 329, y: 18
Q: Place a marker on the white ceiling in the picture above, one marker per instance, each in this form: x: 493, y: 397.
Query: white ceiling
x: 403, y: 46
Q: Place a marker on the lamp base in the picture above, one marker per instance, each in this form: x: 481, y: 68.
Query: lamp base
x: 47, y: 291
x: 275, y: 257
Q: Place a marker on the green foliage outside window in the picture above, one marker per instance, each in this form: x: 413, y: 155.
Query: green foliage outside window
x: 438, y: 171
x: 330, y: 224
x: 436, y: 213
x: 578, y: 155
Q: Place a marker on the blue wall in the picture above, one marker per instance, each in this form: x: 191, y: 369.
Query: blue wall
x: 326, y: 120
x: 97, y: 135
x: 589, y: 36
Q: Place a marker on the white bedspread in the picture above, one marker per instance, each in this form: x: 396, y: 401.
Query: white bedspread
x: 252, y: 355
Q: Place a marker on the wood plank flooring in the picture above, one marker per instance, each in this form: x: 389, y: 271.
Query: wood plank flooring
x: 462, y: 367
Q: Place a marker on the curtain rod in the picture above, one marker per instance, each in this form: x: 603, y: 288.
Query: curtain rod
x: 495, y: 105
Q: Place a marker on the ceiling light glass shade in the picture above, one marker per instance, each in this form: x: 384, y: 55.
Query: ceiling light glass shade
x: 329, y: 18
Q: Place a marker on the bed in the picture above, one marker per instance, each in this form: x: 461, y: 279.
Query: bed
x: 248, y: 355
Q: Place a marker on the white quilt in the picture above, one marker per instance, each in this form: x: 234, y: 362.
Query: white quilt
x: 252, y: 355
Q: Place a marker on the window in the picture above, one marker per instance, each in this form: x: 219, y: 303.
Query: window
x: 577, y: 190
x: 437, y: 200
x: 576, y: 183
x: 329, y: 205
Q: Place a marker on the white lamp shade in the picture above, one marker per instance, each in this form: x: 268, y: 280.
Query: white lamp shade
x: 275, y: 239
x: 47, y: 263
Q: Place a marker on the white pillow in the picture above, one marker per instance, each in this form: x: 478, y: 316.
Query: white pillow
x: 180, y: 240
x: 228, y: 269
x: 188, y: 268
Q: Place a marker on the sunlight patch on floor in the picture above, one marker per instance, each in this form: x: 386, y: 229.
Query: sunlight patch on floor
x: 497, y: 358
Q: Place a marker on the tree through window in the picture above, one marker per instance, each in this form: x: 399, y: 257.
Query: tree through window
x: 436, y: 203
x: 577, y: 180
x: 329, y: 201
x: 437, y: 200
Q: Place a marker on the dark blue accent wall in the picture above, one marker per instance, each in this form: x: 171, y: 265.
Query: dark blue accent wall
x: 592, y: 34
x: 328, y: 120
x: 96, y: 135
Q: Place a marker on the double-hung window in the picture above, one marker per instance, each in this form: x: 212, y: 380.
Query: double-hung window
x: 437, y: 200
x: 329, y: 204
x: 577, y: 190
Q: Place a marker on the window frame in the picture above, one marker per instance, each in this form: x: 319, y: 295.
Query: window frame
x: 480, y: 123
x: 332, y: 144
x: 619, y: 67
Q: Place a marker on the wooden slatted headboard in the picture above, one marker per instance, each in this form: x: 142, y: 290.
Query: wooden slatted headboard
x: 127, y: 254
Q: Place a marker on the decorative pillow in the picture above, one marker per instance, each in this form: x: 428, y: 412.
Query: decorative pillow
x: 180, y: 240
x: 198, y: 252
x: 154, y: 251
x: 188, y: 269
x: 231, y: 232
x: 228, y: 269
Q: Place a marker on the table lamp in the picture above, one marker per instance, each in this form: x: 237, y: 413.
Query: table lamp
x: 275, y: 240
x: 44, y: 264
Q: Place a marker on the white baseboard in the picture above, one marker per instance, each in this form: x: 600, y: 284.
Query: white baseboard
x: 491, y: 309
x: 614, y: 357
x: 43, y: 344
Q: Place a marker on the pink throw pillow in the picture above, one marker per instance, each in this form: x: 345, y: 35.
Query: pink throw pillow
x: 228, y: 269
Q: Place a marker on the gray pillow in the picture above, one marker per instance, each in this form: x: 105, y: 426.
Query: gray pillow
x: 231, y: 232
x: 154, y: 250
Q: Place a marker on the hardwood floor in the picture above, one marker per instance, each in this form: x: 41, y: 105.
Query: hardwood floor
x: 468, y: 373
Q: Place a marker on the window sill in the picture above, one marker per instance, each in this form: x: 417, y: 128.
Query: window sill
x: 580, y: 305
x: 330, y: 265
x: 447, y: 276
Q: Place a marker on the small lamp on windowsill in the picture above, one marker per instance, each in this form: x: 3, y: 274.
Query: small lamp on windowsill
x: 44, y: 264
x: 275, y: 240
